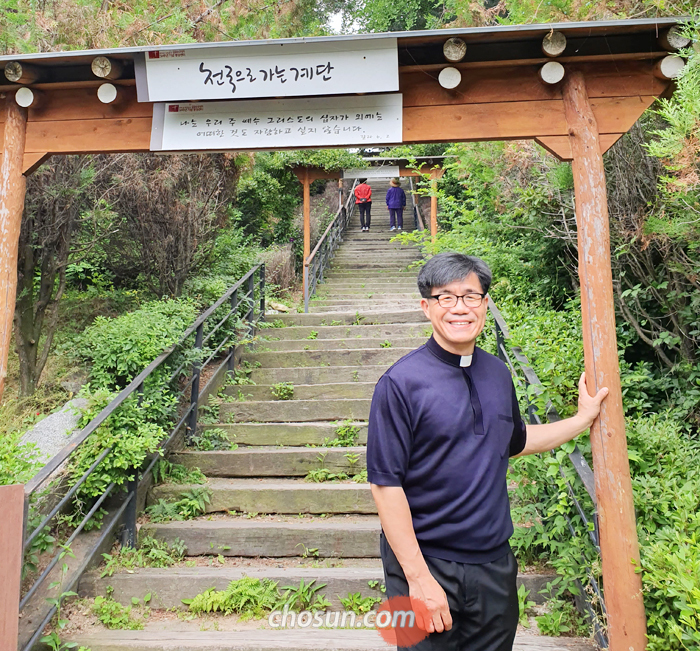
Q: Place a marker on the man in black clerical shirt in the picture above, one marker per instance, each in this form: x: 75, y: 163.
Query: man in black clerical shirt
x: 444, y: 422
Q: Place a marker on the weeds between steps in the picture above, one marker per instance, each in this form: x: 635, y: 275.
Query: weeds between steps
x: 192, y: 503
x: 151, y: 552
x: 323, y: 474
x: 282, y: 390
x: 166, y: 472
x: 116, y: 616
x: 346, y: 435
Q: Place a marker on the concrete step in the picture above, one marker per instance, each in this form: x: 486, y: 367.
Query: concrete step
x: 420, y: 329
x: 277, y: 496
x: 285, y: 434
x: 298, y: 359
x: 338, y: 344
x: 319, y: 374
x: 362, y: 289
x: 291, y: 639
x: 337, y: 306
x: 295, y: 411
x: 273, y: 462
x: 354, y: 536
x: 363, y: 317
x: 307, y: 391
x: 376, y: 275
x: 168, y: 587
x: 370, y: 265
x: 376, y: 256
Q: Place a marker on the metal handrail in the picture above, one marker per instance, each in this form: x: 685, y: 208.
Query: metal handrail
x: 136, y: 386
x: 583, y: 470
x: 315, y: 265
x: 419, y: 224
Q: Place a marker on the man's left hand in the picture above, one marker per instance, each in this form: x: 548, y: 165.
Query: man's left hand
x: 589, y: 406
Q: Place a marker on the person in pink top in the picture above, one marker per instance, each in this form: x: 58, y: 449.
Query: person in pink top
x: 363, y: 198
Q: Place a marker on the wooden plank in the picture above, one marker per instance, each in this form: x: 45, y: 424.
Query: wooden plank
x: 89, y: 136
x: 12, y: 186
x: 12, y: 516
x: 33, y: 161
x: 513, y: 120
x: 560, y: 146
x: 523, y: 84
x: 618, y: 533
x: 65, y: 85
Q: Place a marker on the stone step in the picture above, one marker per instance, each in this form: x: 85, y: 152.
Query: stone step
x: 376, y: 256
x: 370, y: 265
x: 377, y: 275
x: 298, y: 359
x: 364, y: 317
x: 295, y: 411
x: 169, y: 586
x: 273, y: 462
x: 333, y: 537
x: 307, y: 391
x: 311, y: 333
x: 277, y: 496
x: 319, y: 374
x: 339, y: 344
x: 164, y: 638
x: 286, y: 434
x: 361, y: 289
x: 320, y: 308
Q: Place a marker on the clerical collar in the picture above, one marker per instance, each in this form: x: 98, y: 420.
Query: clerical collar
x: 450, y: 358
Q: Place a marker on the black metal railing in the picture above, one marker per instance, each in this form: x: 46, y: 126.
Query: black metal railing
x: 418, y: 222
x: 319, y: 259
x: 525, y: 377
x: 212, y: 342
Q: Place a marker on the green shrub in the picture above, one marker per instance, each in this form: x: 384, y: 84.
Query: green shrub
x: 19, y: 462
x: 119, y: 349
x: 246, y: 596
x: 115, y: 616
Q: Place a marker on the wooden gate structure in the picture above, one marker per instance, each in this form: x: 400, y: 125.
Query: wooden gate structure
x: 575, y: 88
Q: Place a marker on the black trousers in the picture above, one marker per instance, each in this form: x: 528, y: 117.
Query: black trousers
x: 483, y: 601
x: 396, y: 217
x: 365, y: 217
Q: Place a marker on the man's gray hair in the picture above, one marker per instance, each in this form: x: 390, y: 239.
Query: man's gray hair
x: 445, y: 268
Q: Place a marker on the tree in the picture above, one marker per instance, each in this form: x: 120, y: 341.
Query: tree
x: 56, y: 203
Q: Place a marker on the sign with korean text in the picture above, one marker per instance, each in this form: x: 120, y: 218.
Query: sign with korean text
x: 277, y: 124
x: 383, y: 172
x: 267, y: 70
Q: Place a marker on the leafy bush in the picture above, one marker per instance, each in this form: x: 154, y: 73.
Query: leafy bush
x: 211, y: 439
x: 151, y: 552
x: 115, y: 616
x: 119, y: 349
x: 246, y: 596
x: 18, y: 461
x: 191, y: 504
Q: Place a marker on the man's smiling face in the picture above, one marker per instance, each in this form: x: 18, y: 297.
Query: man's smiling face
x: 456, y: 328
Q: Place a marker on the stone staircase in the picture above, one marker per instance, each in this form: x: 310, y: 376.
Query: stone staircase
x: 264, y: 519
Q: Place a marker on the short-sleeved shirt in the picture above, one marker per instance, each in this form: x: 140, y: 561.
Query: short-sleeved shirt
x: 444, y: 431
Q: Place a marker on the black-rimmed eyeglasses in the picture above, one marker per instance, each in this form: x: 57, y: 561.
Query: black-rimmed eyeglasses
x: 473, y: 299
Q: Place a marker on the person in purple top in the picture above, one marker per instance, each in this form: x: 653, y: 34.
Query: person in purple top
x: 395, y: 202
x: 443, y: 424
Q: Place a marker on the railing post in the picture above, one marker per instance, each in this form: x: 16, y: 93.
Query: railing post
x: 11, y: 556
x: 250, y: 317
x: 194, y: 394
x: 129, y: 534
x: 261, y: 286
x: 232, y: 349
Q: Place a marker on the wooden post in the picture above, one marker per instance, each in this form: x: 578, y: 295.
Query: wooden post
x: 12, y: 516
x: 618, y: 535
x: 340, y: 193
x: 307, y: 223
x: 12, y: 185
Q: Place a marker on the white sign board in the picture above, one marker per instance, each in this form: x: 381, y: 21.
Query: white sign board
x: 383, y: 172
x: 277, y: 124
x: 279, y: 70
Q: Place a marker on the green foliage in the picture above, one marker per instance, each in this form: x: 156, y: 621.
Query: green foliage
x: 191, y: 504
x: 358, y: 604
x: 385, y: 344
x: 524, y: 604
x: 283, y: 390
x: 561, y: 618
x: 346, y: 435
x: 19, y: 462
x: 119, y: 349
x: 211, y: 439
x: 246, y: 596
x: 166, y: 472
x: 313, y: 335
x: 304, y: 597
x: 115, y: 616
x: 151, y: 552
x: 320, y: 475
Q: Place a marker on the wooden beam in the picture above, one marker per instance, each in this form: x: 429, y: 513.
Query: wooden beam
x: 307, y: 225
x: 32, y: 161
x: 12, y: 516
x: 519, y: 84
x: 514, y: 120
x: 618, y: 535
x: 12, y: 186
x: 560, y: 146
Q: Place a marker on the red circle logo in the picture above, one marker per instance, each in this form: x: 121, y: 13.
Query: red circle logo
x: 401, y: 621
